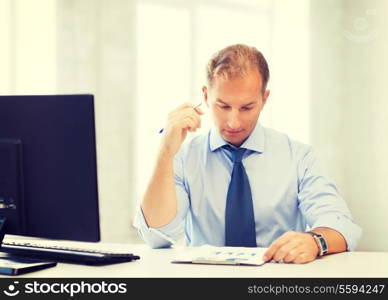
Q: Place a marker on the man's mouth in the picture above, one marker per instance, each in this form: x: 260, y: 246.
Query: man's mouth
x: 233, y: 132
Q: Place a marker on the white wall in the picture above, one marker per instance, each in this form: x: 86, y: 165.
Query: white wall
x: 349, y: 71
x: 96, y: 54
x: 365, y: 28
x: 288, y: 106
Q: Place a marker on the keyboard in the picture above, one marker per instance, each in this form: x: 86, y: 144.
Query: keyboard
x: 66, y: 254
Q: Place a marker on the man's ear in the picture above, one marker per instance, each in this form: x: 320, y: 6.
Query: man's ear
x: 205, y: 95
x: 265, y: 96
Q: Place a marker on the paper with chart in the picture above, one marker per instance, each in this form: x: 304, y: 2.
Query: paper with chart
x: 221, y: 255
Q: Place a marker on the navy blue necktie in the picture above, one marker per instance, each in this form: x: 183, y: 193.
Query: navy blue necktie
x: 239, y: 218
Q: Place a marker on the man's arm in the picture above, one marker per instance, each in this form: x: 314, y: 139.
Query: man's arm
x: 159, y: 204
x: 301, y: 247
x: 324, y: 210
x: 335, y: 241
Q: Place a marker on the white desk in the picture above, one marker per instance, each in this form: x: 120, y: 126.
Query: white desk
x: 157, y: 263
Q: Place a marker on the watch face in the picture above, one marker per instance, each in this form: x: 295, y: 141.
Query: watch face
x: 320, y: 240
x: 324, y: 245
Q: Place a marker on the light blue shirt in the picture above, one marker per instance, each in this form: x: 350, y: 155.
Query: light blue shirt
x: 290, y: 191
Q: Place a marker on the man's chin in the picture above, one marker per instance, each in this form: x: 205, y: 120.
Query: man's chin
x: 235, y: 141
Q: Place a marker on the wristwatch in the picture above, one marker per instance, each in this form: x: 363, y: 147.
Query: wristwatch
x: 321, y: 242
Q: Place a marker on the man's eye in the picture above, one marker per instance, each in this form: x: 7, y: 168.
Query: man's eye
x: 246, y: 108
x: 224, y: 107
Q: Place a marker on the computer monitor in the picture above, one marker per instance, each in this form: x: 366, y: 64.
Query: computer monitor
x: 48, y: 169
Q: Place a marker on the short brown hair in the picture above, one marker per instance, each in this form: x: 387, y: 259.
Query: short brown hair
x: 235, y: 61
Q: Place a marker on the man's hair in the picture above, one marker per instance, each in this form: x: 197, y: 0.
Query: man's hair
x: 235, y: 61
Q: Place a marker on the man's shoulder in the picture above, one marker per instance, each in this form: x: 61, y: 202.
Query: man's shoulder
x: 279, y: 140
x: 194, y: 145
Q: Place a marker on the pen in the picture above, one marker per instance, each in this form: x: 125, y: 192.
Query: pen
x: 161, y: 130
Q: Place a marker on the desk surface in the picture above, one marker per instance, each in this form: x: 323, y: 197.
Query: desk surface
x: 157, y: 263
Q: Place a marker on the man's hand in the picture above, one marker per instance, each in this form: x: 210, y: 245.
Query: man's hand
x: 159, y: 204
x: 293, y: 247
x: 184, y: 118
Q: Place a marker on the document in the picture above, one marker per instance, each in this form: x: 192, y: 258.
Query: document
x: 221, y: 255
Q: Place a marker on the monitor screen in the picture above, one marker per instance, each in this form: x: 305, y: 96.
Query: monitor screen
x: 48, y: 170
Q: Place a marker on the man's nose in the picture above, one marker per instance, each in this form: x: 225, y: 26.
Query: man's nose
x: 234, y: 120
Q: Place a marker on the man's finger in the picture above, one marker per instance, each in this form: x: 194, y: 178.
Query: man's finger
x: 186, y: 112
x: 275, y: 246
x: 199, y: 110
x: 283, y: 251
x: 302, y: 258
x: 190, y: 124
x: 292, y: 255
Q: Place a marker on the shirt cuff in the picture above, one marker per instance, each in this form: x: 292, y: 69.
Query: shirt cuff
x: 345, y: 226
x: 161, y: 237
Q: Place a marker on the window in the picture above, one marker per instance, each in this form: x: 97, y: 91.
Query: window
x: 28, y: 49
x: 174, y: 41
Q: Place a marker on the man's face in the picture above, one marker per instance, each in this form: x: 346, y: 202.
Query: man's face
x: 235, y: 105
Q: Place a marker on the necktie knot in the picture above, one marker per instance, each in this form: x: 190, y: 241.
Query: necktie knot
x: 237, y: 153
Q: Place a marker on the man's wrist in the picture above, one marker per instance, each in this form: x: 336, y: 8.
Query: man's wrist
x: 317, y: 250
x: 321, y: 243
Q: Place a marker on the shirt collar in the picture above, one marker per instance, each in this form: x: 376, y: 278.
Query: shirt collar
x: 254, y: 142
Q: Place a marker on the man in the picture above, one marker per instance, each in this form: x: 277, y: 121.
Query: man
x: 242, y: 184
